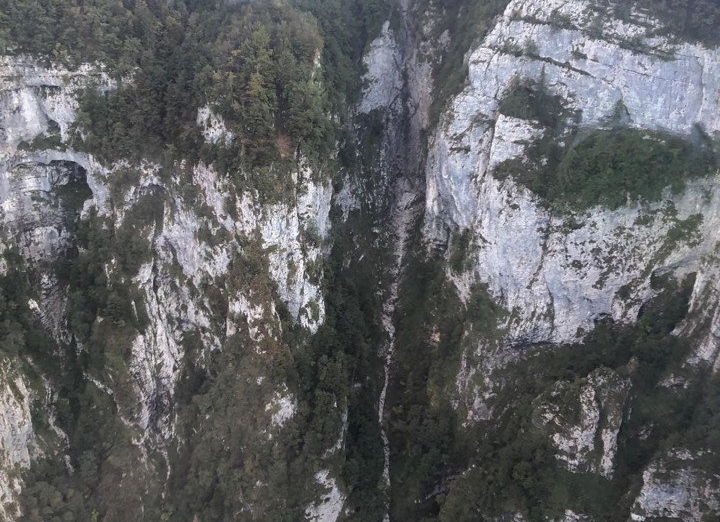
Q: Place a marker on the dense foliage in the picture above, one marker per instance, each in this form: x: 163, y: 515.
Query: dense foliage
x: 20, y: 332
x: 570, y: 168
x: 610, y: 167
x: 256, y: 64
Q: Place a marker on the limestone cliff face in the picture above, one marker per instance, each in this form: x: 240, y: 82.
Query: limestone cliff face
x: 35, y: 100
x: 230, y: 264
x: 557, y: 273
x: 199, y: 245
x: 572, y: 265
x: 685, y: 492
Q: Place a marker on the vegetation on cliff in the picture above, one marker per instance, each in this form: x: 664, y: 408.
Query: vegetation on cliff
x: 276, y: 75
x: 576, y: 169
x: 280, y: 74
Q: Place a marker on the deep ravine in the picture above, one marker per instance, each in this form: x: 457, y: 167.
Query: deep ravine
x: 400, y: 165
x: 457, y: 261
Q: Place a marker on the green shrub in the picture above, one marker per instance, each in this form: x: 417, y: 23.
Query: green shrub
x: 611, y: 167
x: 530, y: 100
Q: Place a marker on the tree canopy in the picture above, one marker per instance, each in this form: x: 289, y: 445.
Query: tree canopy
x: 262, y: 66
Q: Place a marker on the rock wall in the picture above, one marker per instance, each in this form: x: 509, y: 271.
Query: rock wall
x: 573, y: 265
x: 17, y: 438
x: 583, y: 420
x: 685, y: 491
x: 197, y: 246
x: 555, y: 273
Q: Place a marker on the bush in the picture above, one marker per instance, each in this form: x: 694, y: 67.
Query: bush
x: 611, y: 167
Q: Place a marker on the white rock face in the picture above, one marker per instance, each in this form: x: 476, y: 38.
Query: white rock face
x: 34, y: 98
x: 295, y: 236
x: 511, y: 139
x: 583, y: 420
x: 37, y: 100
x: 677, y: 487
x: 17, y: 439
x: 383, y: 82
x: 330, y: 506
x: 703, y: 306
x: 571, y: 516
x: 556, y: 275
x: 213, y: 127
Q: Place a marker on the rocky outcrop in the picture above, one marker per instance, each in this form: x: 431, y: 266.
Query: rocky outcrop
x: 37, y: 100
x: 677, y: 487
x: 291, y: 235
x: 295, y: 236
x: 383, y: 79
x: 582, y: 420
x: 213, y: 128
x: 329, y: 508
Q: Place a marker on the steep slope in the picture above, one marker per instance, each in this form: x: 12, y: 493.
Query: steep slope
x: 540, y: 260
x: 202, y: 265
x: 249, y: 274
